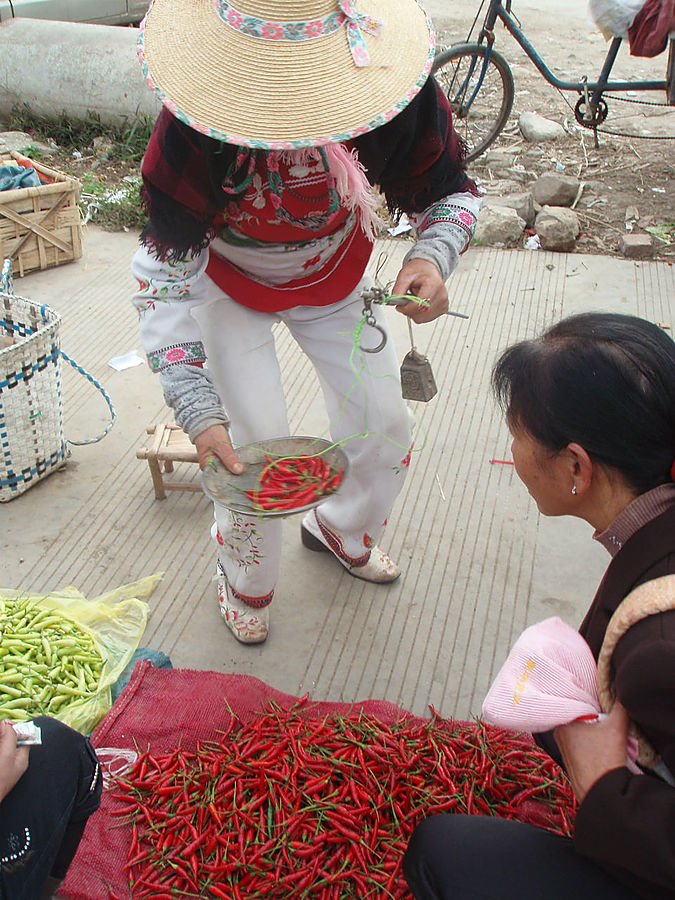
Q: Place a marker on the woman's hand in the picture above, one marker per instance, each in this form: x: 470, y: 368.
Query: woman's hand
x: 13, y: 759
x: 423, y: 279
x: 215, y: 442
x: 591, y: 749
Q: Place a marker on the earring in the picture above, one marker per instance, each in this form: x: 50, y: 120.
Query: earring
x: 574, y: 488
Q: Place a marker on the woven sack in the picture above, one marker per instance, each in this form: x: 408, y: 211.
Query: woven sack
x: 32, y: 444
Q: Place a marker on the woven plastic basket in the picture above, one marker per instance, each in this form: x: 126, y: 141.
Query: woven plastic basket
x: 32, y: 444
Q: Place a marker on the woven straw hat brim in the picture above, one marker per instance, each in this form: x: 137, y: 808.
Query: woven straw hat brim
x: 283, y: 94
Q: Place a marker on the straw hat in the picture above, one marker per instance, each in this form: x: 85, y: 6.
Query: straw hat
x: 286, y: 73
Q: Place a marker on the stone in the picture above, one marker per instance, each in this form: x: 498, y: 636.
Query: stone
x: 555, y: 190
x: 102, y: 146
x: 500, y: 159
x: 637, y: 246
x: 500, y: 187
x: 498, y: 227
x: 19, y: 141
x: 522, y: 203
x: 520, y: 174
x: 557, y: 227
x: 536, y: 128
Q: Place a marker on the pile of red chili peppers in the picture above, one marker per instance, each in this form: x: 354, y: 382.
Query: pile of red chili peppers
x: 293, y: 806
x: 294, y: 482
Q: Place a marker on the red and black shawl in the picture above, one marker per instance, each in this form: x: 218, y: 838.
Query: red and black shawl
x: 415, y: 159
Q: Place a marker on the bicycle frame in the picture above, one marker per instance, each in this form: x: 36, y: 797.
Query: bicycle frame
x: 497, y: 9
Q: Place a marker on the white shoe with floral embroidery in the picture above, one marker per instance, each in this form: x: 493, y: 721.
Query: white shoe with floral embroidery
x: 247, y: 624
x: 378, y: 568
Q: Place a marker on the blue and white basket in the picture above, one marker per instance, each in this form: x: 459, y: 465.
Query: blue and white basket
x: 32, y: 444
x: 31, y: 412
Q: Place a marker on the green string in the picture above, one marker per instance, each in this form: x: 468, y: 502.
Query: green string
x: 356, y: 355
x: 357, y: 363
x: 422, y: 302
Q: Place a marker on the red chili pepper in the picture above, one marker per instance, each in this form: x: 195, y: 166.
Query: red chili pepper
x: 297, y: 806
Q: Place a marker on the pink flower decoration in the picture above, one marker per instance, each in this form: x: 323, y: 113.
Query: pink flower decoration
x: 272, y: 32
x: 272, y: 162
x: 175, y: 354
x: 275, y: 201
x: 312, y: 29
x: 367, y: 540
x: 234, y: 18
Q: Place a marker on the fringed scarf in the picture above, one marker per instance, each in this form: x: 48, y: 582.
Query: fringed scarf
x: 416, y: 159
x: 348, y: 178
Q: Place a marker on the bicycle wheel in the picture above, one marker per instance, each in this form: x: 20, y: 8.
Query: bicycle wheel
x: 478, y: 119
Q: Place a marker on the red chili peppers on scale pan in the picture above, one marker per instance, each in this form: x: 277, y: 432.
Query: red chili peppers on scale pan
x: 294, y: 482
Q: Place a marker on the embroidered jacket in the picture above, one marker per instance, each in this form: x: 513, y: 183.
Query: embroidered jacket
x: 269, y: 233
x: 416, y: 159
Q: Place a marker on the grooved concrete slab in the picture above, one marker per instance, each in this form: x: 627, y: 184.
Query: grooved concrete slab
x: 479, y: 563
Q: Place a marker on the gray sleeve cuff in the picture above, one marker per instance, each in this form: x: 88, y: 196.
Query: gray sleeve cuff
x: 440, y: 244
x: 190, y: 392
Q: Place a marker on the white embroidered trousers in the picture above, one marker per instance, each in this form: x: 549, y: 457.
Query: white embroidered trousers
x: 362, y: 393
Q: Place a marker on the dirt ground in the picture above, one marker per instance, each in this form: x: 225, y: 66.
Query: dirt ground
x: 629, y: 182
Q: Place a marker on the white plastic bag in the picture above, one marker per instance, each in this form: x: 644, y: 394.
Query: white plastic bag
x: 613, y: 18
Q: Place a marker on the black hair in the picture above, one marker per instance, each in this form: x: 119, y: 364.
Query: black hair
x: 602, y: 380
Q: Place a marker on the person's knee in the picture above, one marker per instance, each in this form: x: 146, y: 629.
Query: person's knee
x: 396, y: 425
x: 430, y: 845
x: 61, y: 738
x: 68, y: 755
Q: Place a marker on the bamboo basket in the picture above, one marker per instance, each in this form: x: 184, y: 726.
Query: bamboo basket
x: 31, y: 409
x: 40, y: 226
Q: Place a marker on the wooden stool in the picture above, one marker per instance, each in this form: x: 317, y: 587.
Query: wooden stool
x: 169, y: 444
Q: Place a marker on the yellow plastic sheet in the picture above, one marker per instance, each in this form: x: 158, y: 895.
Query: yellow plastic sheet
x: 116, y: 621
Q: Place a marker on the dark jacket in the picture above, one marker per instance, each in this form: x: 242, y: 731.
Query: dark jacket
x: 626, y: 823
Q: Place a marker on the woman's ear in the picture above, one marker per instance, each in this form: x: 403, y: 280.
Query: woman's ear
x: 581, y: 468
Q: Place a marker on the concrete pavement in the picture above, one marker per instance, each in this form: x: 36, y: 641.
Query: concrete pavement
x: 479, y: 563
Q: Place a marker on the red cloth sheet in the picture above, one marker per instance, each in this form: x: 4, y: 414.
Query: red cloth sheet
x: 648, y: 35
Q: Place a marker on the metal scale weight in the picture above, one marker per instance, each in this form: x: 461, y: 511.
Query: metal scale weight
x: 417, y: 377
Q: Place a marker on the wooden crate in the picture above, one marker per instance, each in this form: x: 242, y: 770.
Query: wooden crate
x: 40, y: 226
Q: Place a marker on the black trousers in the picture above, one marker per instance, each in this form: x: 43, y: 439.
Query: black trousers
x: 42, y: 819
x: 485, y: 858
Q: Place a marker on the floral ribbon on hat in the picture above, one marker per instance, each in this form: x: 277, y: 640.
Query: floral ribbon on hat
x: 355, y: 23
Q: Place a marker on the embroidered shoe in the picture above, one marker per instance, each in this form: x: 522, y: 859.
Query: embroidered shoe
x: 248, y: 624
x: 374, y: 566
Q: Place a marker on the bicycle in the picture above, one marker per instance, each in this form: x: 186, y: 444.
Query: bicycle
x: 479, y: 83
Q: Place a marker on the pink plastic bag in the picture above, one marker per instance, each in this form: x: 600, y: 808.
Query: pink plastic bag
x: 548, y: 679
